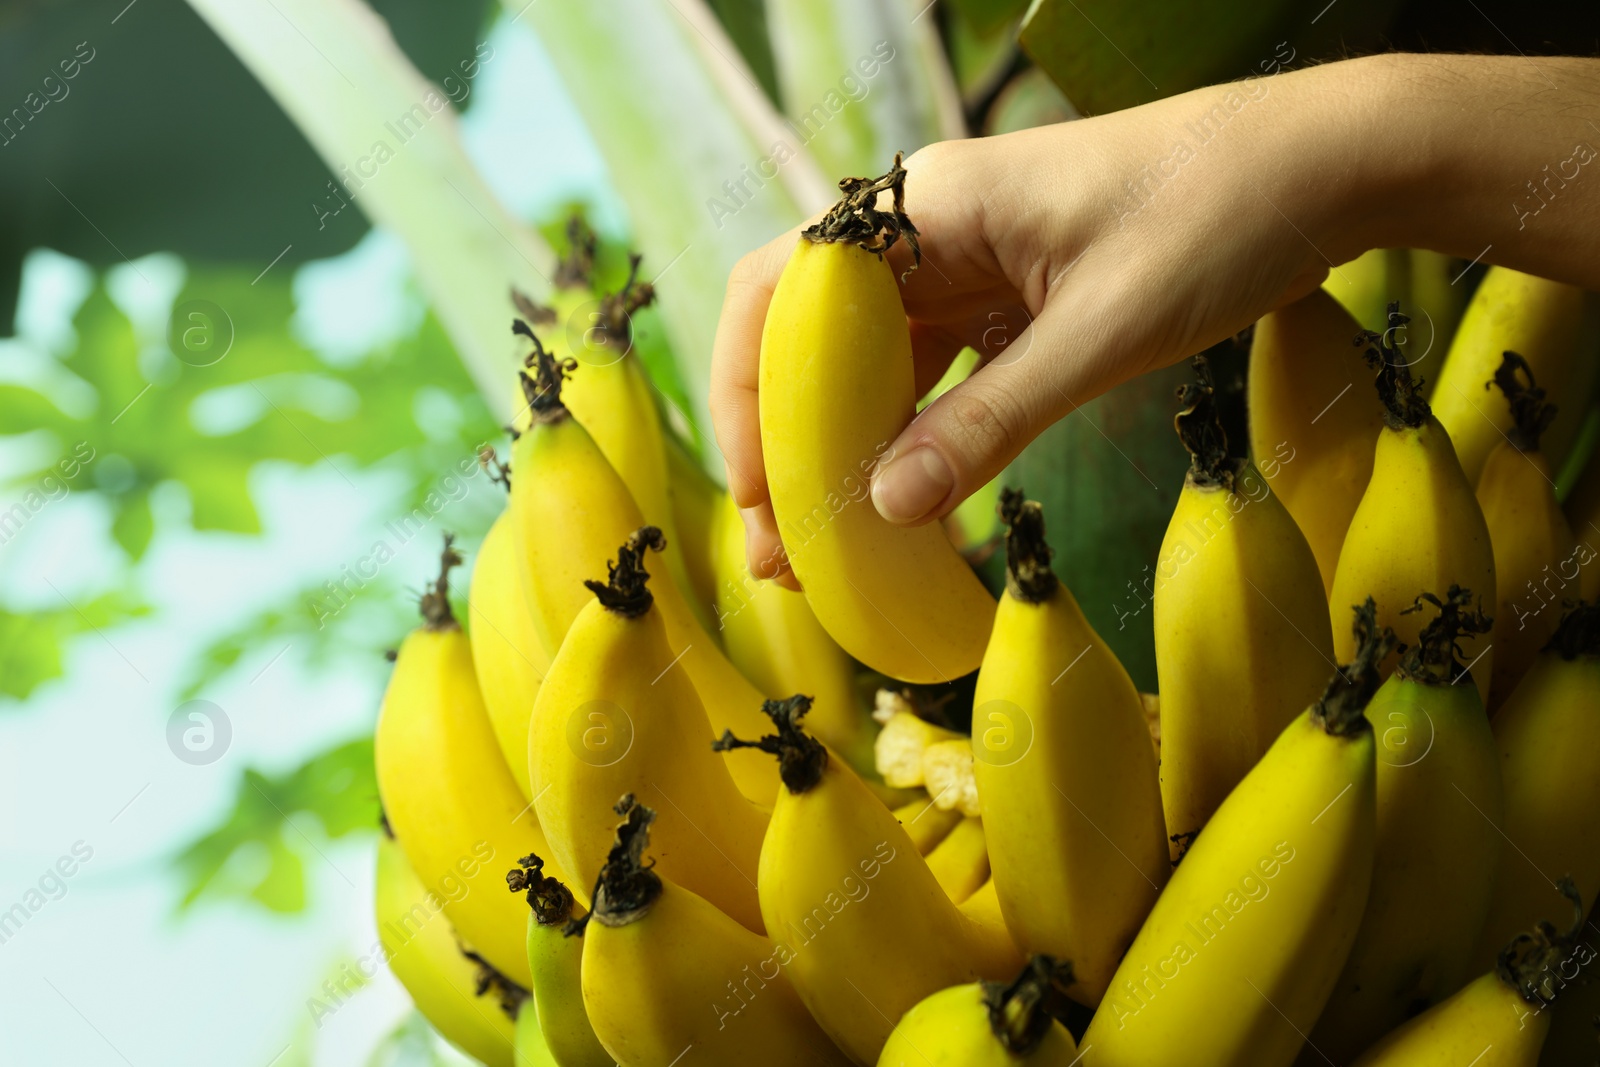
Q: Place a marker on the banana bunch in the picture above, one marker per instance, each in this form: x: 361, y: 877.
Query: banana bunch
x: 642, y: 814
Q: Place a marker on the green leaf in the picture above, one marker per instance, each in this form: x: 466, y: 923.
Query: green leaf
x: 1110, y: 54
x: 1108, y: 476
x: 133, y: 524
x: 31, y: 643
x: 746, y: 23
x: 860, y: 81
x: 337, y: 788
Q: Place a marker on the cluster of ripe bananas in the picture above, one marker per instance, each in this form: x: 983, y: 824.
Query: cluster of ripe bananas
x: 645, y: 807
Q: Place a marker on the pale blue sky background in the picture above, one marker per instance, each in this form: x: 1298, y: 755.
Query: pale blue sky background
x: 104, y: 975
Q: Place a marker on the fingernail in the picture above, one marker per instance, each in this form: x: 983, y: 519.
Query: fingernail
x: 910, y: 487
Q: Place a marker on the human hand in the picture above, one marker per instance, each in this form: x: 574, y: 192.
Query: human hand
x: 1074, y: 257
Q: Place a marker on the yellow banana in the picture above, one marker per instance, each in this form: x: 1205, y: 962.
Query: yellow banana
x: 1365, y: 285
x: 773, y: 637
x: 612, y: 397
x: 696, y: 500
x: 926, y: 823
x: 1533, y: 545
x: 1313, y: 421
x: 1547, y: 734
x: 1242, y: 634
x: 1503, y: 1018
x: 1553, y: 325
x: 960, y: 863
x: 424, y: 955
x: 556, y: 961
x: 989, y: 1024
x: 667, y: 976
x: 1439, y: 801
x: 836, y: 389
x: 510, y: 659
x: 1419, y: 526
x: 843, y: 891
x: 454, y: 805
x: 617, y: 714
x: 1065, y: 774
x: 570, y: 509
x: 1243, y: 946
x: 1436, y: 292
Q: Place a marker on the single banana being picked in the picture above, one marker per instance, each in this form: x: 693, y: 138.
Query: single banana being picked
x: 836, y: 389
x: 989, y: 1024
x: 1502, y: 1018
x: 1242, y: 948
x: 1547, y: 734
x: 1555, y: 326
x: 1532, y: 541
x: 556, y: 961
x: 617, y: 714
x: 570, y: 510
x: 453, y: 803
x: 668, y: 977
x: 774, y: 638
x: 1066, y: 777
x: 510, y: 659
x: 1313, y: 420
x: 1419, y: 525
x: 1242, y: 630
x: 1439, y: 800
x: 868, y: 929
x: 447, y: 987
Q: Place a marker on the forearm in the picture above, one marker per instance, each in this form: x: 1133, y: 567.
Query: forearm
x: 1488, y: 158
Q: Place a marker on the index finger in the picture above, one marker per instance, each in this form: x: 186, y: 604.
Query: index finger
x: 736, y: 365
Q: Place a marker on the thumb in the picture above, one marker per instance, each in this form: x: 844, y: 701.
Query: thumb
x: 966, y: 437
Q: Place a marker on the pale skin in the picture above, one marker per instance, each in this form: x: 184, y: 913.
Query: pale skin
x: 1038, y: 253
